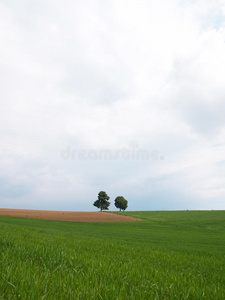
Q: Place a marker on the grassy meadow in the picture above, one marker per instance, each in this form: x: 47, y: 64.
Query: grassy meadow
x: 168, y: 255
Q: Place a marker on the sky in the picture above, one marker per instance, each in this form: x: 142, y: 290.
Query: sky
x: 123, y: 96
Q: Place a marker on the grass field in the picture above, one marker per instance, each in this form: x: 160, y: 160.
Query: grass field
x: 169, y: 255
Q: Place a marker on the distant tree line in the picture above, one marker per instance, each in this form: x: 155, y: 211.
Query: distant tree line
x: 103, y: 204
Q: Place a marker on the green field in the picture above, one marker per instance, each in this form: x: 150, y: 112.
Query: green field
x: 169, y: 255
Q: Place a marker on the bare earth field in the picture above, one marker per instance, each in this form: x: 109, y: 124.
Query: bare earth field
x: 73, y: 216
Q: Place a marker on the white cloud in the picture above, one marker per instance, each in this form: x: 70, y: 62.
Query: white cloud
x: 95, y: 76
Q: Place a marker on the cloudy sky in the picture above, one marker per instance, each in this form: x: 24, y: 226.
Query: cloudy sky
x: 123, y: 96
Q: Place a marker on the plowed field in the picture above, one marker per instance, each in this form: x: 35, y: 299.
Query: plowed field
x: 73, y: 216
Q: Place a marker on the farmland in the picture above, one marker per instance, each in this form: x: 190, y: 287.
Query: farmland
x: 73, y: 216
x: 168, y: 255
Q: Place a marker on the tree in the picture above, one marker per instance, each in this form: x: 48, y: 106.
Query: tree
x: 121, y: 203
x: 102, y: 202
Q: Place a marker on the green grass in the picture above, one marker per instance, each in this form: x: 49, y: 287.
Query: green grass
x: 170, y: 255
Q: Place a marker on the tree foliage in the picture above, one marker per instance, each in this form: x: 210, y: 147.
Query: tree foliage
x: 102, y: 201
x: 121, y: 203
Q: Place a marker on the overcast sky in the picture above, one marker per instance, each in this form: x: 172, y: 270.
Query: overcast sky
x: 122, y: 96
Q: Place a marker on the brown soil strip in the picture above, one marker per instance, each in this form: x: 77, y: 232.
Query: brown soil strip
x: 73, y: 216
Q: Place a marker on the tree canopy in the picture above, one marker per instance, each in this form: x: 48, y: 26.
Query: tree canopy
x: 102, y: 201
x: 121, y: 203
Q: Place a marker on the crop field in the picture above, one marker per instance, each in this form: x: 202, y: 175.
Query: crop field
x: 73, y: 216
x: 168, y: 255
